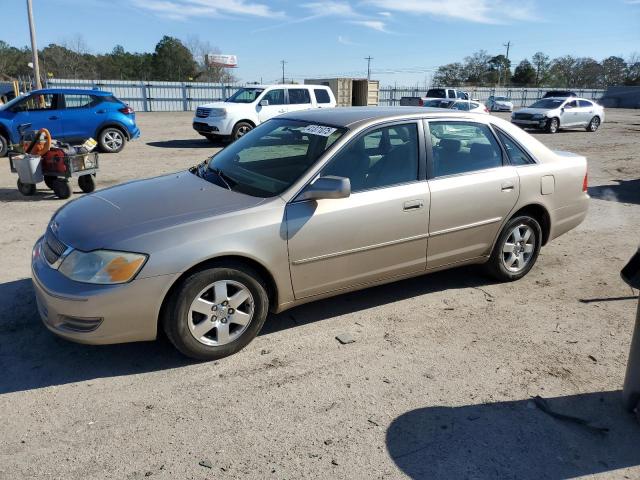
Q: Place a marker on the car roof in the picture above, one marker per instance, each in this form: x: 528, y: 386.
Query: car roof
x: 284, y: 85
x: 78, y: 91
x: 354, y: 116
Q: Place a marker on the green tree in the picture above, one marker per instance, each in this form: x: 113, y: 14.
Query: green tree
x: 614, y: 71
x: 173, y: 61
x: 524, y: 74
x: 541, y: 64
x: 561, y: 71
x: 452, y: 74
x: 499, y: 70
x: 632, y: 74
x: 587, y: 73
x: 476, y: 67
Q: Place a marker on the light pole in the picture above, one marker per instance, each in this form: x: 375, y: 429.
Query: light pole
x: 34, y: 46
x: 283, y: 64
x: 368, y: 59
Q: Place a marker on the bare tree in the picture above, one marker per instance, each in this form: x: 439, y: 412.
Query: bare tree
x: 206, y: 72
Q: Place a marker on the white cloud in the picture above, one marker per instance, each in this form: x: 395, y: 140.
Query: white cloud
x: 347, y: 41
x: 480, y: 11
x: 632, y: 2
x: 384, y: 14
x: 325, y: 9
x: 372, y: 24
x: 185, y: 9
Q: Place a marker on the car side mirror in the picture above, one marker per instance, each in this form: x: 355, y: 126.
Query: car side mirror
x: 264, y: 103
x: 326, y: 187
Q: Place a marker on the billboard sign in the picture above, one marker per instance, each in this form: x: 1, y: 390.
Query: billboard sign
x: 219, y: 60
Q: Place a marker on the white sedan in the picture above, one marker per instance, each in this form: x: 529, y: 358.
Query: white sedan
x: 499, y: 104
x: 462, y: 105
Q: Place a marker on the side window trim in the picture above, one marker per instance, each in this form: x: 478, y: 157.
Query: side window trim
x: 430, y: 160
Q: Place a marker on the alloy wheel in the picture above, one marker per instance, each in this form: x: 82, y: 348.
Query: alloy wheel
x: 518, y: 248
x: 113, y: 139
x: 221, y: 313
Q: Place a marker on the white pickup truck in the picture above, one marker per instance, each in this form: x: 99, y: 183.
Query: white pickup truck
x: 250, y: 106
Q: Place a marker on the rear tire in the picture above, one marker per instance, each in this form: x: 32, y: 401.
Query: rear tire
x: 26, y: 189
x: 111, y: 140
x: 240, y: 129
x: 61, y: 189
x: 516, y: 250
x: 594, y: 124
x: 86, y: 183
x: 4, y: 146
x: 553, y: 125
x: 199, y: 324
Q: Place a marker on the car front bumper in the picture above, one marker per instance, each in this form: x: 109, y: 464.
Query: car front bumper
x: 502, y: 108
x: 97, y: 314
x: 530, y: 123
x: 213, y: 125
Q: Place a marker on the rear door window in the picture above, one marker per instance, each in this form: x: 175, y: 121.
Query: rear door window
x: 463, y: 147
x: 322, y: 96
x: 585, y: 103
x: 451, y: 94
x: 79, y: 101
x: 299, y: 96
x: 517, y: 156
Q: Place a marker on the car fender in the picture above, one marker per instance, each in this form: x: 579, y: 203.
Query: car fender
x: 5, y: 131
x: 113, y: 123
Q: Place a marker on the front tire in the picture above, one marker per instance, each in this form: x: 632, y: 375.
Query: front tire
x: 516, y: 250
x: 553, y: 125
x: 241, y: 129
x: 594, y: 124
x: 215, y: 312
x: 4, y: 146
x: 111, y: 140
x: 61, y: 189
x: 86, y: 183
x: 26, y: 189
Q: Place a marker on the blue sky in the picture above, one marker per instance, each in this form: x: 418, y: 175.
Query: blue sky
x: 406, y: 38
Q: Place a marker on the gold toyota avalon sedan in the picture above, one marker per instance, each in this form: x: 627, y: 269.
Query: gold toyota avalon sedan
x: 305, y: 206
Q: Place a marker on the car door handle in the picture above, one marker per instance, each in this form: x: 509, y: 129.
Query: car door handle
x: 412, y: 205
x: 508, y: 187
x: 53, y: 117
x: 101, y: 111
x: 281, y: 111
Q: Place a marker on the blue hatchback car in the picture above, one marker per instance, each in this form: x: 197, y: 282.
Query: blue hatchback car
x: 70, y: 115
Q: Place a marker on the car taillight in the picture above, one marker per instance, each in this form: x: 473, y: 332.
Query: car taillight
x: 420, y: 102
x: 126, y: 110
x: 486, y: 109
x: 585, y: 183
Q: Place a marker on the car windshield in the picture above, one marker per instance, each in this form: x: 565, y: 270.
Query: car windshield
x: 270, y: 158
x: 438, y: 103
x: 245, y: 95
x: 547, y: 103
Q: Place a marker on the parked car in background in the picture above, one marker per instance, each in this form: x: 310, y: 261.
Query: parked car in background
x: 446, y: 92
x: 277, y: 219
x: 553, y: 114
x: 462, y: 105
x: 250, y: 106
x: 70, y: 115
x: 499, y: 104
x: 559, y: 94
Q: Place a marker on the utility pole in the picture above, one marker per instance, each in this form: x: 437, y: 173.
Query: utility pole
x: 368, y: 59
x: 283, y: 64
x: 34, y: 47
x: 508, y: 44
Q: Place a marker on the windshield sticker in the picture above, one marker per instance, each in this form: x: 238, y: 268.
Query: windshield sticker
x: 318, y: 130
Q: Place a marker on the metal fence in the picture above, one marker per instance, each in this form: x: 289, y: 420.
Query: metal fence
x: 521, y: 97
x: 179, y: 96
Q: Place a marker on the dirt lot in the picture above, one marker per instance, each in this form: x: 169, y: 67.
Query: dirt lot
x: 437, y: 385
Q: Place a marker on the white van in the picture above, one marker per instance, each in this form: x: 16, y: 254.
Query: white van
x: 250, y: 106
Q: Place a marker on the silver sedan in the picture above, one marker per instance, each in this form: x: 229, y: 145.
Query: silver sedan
x: 305, y: 206
x: 552, y: 114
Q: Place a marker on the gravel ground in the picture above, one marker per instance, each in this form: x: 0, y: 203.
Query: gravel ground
x: 438, y: 383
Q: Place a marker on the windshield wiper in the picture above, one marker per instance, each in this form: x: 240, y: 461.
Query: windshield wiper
x: 223, y: 176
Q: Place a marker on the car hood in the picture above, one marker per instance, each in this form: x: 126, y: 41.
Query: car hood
x: 108, y: 217
x: 227, y: 105
x: 535, y: 110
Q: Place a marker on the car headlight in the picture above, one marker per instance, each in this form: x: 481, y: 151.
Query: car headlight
x: 218, y: 112
x: 102, y: 266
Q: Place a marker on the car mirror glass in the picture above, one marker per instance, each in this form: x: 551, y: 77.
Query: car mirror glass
x: 264, y: 103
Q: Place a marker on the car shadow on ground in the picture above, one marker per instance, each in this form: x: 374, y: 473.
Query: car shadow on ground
x: 31, y: 357
x: 189, y: 143
x: 516, y: 439
x: 42, y: 193
x: 626, y: 191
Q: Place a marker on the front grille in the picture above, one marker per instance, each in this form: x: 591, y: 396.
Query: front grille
x: 522, y: 116
x: 52, y: 248
x: 202, y: 112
